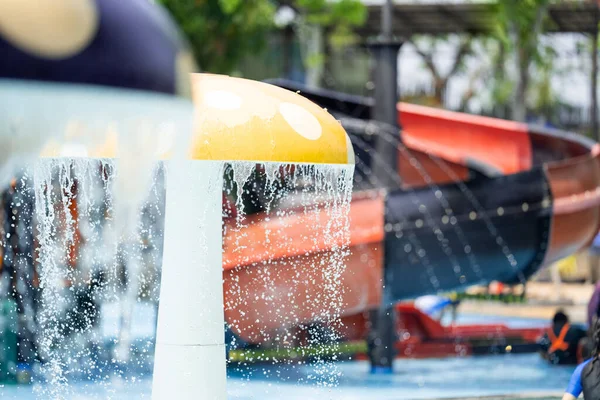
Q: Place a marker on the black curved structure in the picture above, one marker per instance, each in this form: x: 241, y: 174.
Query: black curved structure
x: 461, y: 248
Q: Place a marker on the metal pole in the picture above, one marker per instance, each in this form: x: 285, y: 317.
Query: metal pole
x: 381, y: 339
x: 387, y: 13
x: 288, y: 52
x: 382, y: 332
x: 386, y: 96
x: 594, y: 93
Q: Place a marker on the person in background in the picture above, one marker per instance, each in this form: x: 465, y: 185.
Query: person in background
x: 586, y: 346
x: 593, y: 310
x: 560, y: 344
x: 594, y: 260
x: 586, y: 378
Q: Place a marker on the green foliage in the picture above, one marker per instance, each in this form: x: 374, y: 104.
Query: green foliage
x: 428, y: 46
x: 519, y: 27
x: 298, y: 353
x: 340, y: 13
x: 315, y: 60
x: 521, y: 17
x: 222, y: 32
x: 229, y: 6
x: 541, y: 93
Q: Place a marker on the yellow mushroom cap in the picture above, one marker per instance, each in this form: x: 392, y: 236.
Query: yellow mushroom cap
x: 233, y: 119
x: 240, y: 119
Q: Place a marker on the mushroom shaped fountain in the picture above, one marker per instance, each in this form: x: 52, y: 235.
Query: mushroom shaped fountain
x: 235, y: 120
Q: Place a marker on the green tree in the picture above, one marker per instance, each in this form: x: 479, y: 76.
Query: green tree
x: 519, y: 27
x: 428, y: 46
x: 222, y: 32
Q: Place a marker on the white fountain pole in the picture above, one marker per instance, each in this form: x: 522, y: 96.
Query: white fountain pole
x: 190, y: 360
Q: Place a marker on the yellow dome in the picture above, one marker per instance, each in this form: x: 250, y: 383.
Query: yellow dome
x: 234, y: 119
x: 239, y: 119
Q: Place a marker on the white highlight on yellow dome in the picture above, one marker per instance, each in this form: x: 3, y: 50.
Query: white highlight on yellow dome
x: 222, y: 100
x: 49, y: 28
x: 302, y: 121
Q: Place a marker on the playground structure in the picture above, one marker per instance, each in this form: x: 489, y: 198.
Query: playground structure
x: 476, y: 199
x: 538, y: 190
x: 420, y: 336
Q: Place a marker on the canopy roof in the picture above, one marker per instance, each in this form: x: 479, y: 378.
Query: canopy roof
x: 439, y: 17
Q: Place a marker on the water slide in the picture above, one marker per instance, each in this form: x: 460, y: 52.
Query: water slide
x: 478, y: 199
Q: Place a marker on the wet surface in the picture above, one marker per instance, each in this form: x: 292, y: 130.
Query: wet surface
x: 413, y: 379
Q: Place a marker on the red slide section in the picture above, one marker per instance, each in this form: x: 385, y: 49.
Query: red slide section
x: 257, y: 306
x: 458, y: 137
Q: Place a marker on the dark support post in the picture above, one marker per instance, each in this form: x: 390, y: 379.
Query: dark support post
x: 385, y: 50
x: 288, y: 52
x: 328, y: 81
x: 382, y: 332
x: 381, y: 340
x: 594, y: 103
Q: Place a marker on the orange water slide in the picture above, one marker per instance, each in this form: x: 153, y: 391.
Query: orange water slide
x: 503, y: 199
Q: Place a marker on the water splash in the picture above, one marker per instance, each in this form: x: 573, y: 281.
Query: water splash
x: 78, y: 256
x: 51, y: 277
x: 87, y: 260
x: 274, y: 289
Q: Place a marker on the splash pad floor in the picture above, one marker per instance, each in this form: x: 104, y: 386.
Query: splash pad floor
x: 450, y: 378
x: 414, y: 379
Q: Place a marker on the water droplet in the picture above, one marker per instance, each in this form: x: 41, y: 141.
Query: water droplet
x: 546, y: 203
